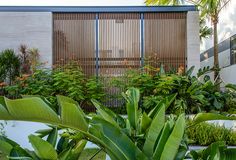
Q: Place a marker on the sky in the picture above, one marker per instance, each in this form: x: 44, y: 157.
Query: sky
x: 227, y: 25
x: 72, y: 2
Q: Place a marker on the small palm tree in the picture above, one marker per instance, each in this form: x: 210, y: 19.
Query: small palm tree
x: 212, y: 9
x: 205, y: 31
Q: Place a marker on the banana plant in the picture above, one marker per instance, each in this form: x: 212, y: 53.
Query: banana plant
x: 68, y: 146
x: 139, y: 136
x: 216, y: 151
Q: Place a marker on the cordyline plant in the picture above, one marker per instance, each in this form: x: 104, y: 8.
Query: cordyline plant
x: 139, y: 136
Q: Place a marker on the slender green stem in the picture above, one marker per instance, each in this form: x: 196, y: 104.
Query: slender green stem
x: 95, y: 154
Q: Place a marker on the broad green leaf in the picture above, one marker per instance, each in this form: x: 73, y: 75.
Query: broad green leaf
x: 71, y: 114
x: 231, y: 87
x: 31, y: 109
x: 230, y: 154
x: 202, y: 117
x: 166, y: 102
x: 43, y: 98
x: 5, y: 148
x: 190, y: 71
x: 62, y: 144
x: 102, y: 111
x: 3, y: 109
x: 2, y: 101
x: 52, y: 137
x: 43, y: 149
x: 154, y: 131
x: 43, y: 132
x: 213, y: 151
x: 64, y: 155
x: 114, y: 139
x: 12, y: 143
x: 76, y: 151
x: 145, y: 122
x: 19, y: 153
x: 173, y: 142
x: 162, y: 141
x: 132, y: 96
x: 4, y: 113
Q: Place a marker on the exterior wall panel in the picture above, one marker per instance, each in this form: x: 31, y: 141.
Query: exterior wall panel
x: 33, y: 29
x: 74, y: 40
x: 119, y: 43
x: 193, y: 41
x: 165, y: 39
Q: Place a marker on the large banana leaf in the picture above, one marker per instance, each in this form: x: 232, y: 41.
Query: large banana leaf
x: 202, y: 117
x: 52, y: 137
x: 154, y: 131
x: 132, y: 99
x: 215, y: 151
x: 43, y: 149
x: 5, y: 149
x: 120, y: 144
x: 104, y: 112
x: 173, y: 142
x: 71, y: 114
x: 34, y: 109
x: 30, y: 109
x: 163, y: 138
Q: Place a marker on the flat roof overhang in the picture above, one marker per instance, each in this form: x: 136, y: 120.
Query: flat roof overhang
x: 99, y: 9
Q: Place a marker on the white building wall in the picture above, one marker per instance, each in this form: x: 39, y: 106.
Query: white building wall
x: 228, y: 72
x: 33, y: 29
x: 224, y: 60
x: 193, y: 41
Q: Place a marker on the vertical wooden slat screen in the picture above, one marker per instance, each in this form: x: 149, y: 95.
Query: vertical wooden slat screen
x: 74, y: 39
x: 119, y: 46
x: 119, y: 42
x: 165, y: 39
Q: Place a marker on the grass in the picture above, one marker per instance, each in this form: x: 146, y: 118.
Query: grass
x: 87, y: 154
x: 206, y: 133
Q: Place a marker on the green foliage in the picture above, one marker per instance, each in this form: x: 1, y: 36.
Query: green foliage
x: 138, y: 136
x: 69, y: 146
x: 89, y: 153
x: 216, y: 151
x: 68, y: 80
x: 193, y: 95
x: 120, y: 138
x: 207, y: 133
x: 9, y: 65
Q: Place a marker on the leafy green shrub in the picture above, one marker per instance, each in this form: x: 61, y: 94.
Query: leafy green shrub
x: 9, y: 66
x: 67, y: 80
x: 207, y: 133
x: 193, y: 95
x: 137, y: 136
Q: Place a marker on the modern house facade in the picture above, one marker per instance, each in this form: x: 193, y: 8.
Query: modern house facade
x: 105, y: 40
x: 227, y: 59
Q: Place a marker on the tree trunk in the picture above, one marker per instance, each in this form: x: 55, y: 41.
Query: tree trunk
x: 216, y: 58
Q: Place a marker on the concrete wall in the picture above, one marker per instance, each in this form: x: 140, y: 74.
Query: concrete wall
x: 33, y: 29
x: 193, y: 41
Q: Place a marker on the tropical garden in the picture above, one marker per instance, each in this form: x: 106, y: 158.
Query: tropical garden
x: 161, y: 113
